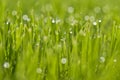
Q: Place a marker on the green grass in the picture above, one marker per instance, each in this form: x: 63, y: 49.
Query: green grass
x: 59, y: 40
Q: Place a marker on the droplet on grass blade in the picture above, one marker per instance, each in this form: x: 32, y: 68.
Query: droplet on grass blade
x: 99, y: 21
x: 70, y: 9
x: 53, y: 21
x: 86, y: 18
x: 97, y: 9
x: 6, y: 65
x: 82, y: 33
x: 39, y: 70
x: 63, y: 60
x: 102, y: 59
x: 14, y: 13
x: 114, y: 60
x: 92, y: 18
x: 94, y: 23
x: 26, y: 18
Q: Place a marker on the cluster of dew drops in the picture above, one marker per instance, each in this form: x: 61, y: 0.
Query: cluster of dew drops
x: 70, y: 10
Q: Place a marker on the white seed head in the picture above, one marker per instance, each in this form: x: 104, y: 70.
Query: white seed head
x: 102, y: 59
x: 94, y: 23
x: 6, y: 65
x: 63, y: 60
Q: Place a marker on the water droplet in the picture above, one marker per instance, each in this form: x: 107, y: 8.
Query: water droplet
x: 39, y: 70
x: 99, y: 21
x: 26, y: 18
x: 70, y: 9
x: 114, y: 60
x: 6, y: 65
x: 102, y: 59
x: 97, y: 9
x: 14, y: 13
x: 73, y: 22
x: 71, y: 32
x: 63, y: 60
x: 92, y: 18
x: 86, y: 18
x: 8, y: 22
x: 53, y: 21
x: 94, y: 23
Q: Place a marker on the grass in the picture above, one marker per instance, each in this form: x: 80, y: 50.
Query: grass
x: 59, y: 40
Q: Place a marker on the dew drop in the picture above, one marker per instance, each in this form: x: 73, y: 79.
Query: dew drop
x: 39, y: 70
x: 94, y: 23
x: 63, y: 60
x: 6, y: 65
x: 70, y: 9
x: 114, y: 60
x: 97, y: 9
x: 99, y: 21
x: 14, y: 13
x: 102, y: 59
x: 86, y: 18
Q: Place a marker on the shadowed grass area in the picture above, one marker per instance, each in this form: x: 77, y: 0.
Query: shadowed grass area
x: 59, y: 40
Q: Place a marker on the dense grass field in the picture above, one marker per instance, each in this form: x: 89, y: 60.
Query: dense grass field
x: 59, y: 40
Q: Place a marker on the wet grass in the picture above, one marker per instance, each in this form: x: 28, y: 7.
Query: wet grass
x: 59, y: 40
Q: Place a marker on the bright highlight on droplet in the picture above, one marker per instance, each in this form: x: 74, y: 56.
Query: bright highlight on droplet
x: 114, y: 60
x: 97, y: 9
x: 94, y: 23
x: 6, y: 65
x: 102, y: 59
x: 99, y: 21
x: 63, y: 60
x: 26, y: 18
